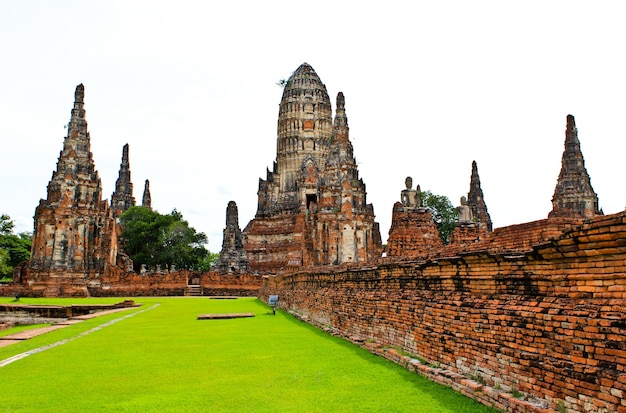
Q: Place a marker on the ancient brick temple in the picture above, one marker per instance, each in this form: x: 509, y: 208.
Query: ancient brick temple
x: 312, y: 207
x: 123, y: 198
x: 146, y: 199
x: 525, y: 318
x: 476, y: 201
x: 573, y: 196
x: 413, y: 233
x: 75, y: 236
x: 232, y: 258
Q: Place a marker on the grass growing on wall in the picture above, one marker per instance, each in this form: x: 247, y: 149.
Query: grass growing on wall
x: 164, y: 360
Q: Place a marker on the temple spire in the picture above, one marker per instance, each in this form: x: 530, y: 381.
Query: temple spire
x: 123, y: 198
x: 76, y: 181
x: 72, y: 223
x: 573, y: 195
x: 476, y: 200
x: 340, y: 124
x: 146, y: 200
x: 341, y: 149
x: 232, y: 258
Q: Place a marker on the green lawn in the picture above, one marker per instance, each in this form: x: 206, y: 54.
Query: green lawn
x: 164, y: 360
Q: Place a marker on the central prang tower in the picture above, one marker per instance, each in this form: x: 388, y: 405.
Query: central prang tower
x: 312, y: 207
x: 305, y: 128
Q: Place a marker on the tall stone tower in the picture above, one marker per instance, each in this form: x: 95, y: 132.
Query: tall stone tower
x: 476, y: 201
x: 573, y: 196
x: 305, y: 127
x: 312, y: 207
x: 232, y: 258
x: 74, y: 240
x: 123, y: 198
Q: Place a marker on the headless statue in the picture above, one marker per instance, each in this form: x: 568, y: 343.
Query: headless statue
x: 465, y: 213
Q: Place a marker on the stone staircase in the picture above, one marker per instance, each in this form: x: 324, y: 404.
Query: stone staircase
x: 194, y: 290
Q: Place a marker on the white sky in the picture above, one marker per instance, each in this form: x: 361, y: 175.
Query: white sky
x: 429, y: 87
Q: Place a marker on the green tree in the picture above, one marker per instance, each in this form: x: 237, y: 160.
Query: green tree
x: 13, y: 248
x: 153, y: 239
x: 5, y: 269
x: 444, y: 214
x: 6, y: 225
x: 209, y: 261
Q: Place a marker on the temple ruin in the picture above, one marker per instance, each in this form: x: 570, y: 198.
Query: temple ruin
x: 123, y: 198
x: 146, y: 199
x: 312, y: 207
x: 75, y: 235
x: 476, y: 201
x: 527, y: 318
x: 233, y: 257
x: 573, y: 196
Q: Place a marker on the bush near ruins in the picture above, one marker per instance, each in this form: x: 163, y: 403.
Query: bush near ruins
x: 152, y: 239
x: 444, y: 214
x: 13, y: 248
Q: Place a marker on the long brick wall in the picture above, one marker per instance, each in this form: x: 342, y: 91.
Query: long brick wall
x: 136, y: 285
x: 543, y: 330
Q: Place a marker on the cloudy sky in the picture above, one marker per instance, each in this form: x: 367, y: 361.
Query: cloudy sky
x: 429, y: 87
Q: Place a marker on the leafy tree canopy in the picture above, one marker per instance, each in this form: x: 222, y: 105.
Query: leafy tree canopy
x: 6, y: 225
x: 209, y: 261
x: 153, y: 239
x: 13, y: 248
x: 444, y: 214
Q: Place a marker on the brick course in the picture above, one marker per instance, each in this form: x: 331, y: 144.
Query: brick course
x: 547, y: 322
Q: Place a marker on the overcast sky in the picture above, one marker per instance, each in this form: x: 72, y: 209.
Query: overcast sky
x: 430, y: 86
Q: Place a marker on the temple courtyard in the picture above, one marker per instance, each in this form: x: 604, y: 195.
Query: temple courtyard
x: 160, y: 356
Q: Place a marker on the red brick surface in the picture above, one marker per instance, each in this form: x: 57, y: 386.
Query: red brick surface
x: 548, y: 323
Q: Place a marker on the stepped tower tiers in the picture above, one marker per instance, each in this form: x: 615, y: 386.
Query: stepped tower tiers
x: 476, y: 201
x: 232, y: 256
x: 123, y: 198
x: 312, y: 206
x: 146, y: 200
x: 304, y: 132
x: 573, y: 196
x: 74, y: 238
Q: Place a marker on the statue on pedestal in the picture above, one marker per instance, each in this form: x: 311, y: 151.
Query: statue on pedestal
x: 409, y: 197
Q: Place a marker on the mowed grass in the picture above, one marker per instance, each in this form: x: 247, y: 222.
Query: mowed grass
x: 165, y: 360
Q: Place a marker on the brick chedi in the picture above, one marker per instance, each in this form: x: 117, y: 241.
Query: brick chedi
x: 312, y: 207
x: 146, y: 199
x: 123, y: 198
x: 476, y: 201
x: 74, y: 240
x: 413, y: 233
x: 573, y: 196
x: 232, y: 258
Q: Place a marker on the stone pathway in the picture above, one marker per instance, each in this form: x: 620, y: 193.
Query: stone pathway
x: 34, y: 332
x: 38, y: 331
x: 27, y: 334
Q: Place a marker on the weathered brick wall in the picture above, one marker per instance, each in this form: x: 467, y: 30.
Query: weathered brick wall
x: 413, y: 233
x: 136, y: 285
x: 548, y: 324
x: 174, y: 284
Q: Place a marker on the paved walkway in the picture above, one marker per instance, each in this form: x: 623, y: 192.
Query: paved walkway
x: 34, y: 332
x: 28, y: 334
